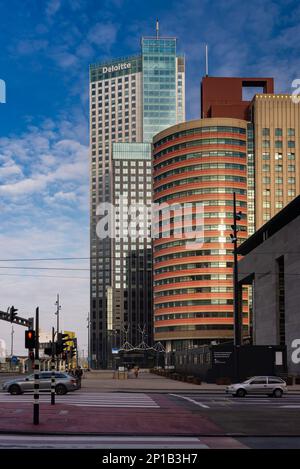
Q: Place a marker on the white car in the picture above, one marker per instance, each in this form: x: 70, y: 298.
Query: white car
x: 270, y: 385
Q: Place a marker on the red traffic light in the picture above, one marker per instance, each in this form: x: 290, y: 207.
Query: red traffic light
x: 29, y: 339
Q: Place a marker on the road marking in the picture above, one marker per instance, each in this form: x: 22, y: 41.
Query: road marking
x: 192, y: 400
x: 290, y: 406
x: 100, y: 442
x: 125, y: 400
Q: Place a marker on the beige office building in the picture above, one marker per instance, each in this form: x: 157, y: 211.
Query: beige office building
x: 276, y: 121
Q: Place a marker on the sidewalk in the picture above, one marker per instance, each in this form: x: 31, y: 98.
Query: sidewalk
x: 149, y: 382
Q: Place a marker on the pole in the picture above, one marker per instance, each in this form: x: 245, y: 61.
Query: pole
x: 52, y: 370
x: 206, y: 60
x: 12, y: 341
x: 36, y: 404
x: 237, y: 321
x: 88, y: 328
x: 58, y: 307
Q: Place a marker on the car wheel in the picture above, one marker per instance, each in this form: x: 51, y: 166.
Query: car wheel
x: 241, y: 393
x: 61, y: 389
x: 15, y: 390
x: 277, y: 393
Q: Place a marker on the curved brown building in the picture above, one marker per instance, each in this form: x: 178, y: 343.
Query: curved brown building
x: 198, y: 162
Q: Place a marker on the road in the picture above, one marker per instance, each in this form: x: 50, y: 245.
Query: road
x: 152, y: 420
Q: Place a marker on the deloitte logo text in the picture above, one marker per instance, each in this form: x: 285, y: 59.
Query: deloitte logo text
x: 116, y: 68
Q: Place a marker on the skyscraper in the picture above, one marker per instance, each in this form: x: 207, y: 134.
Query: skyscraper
x: 198, y: 162
x: 273, y: 126
x: 276, y: 125
x: 131, y: 99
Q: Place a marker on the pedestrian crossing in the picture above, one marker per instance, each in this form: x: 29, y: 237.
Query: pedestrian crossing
x: 218, y: 401
x: 85, y: 399
x: 100, y: 442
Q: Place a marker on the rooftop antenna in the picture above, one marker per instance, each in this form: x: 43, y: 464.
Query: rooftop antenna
x: 206, y: 60
x: 157, y: 28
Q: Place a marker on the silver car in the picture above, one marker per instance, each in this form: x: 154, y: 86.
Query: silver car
x: 270, y: 385
x: 63, y: 383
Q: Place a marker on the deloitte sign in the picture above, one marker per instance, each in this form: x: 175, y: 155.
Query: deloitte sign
x: 116, y: 68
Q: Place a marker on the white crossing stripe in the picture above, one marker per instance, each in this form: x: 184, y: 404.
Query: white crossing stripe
x: 191, y: 400
x: 135, y: 400
x: 100, y: 442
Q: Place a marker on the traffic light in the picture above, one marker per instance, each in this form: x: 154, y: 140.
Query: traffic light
x: 48, y: 351
x: 31, y: 356
x: 73, y: 352
x: 30, y: 339
x: 61, y: 344
x: 13, y: 313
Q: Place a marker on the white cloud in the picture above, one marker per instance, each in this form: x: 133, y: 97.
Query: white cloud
x: 52, y: 7
x: 103, y: 34
x: 44, y: 211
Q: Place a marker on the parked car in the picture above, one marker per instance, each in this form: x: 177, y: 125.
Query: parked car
x: 63, y: 383
x: 270, y: 385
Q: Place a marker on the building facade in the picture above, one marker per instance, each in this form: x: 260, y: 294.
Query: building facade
x: 276, y: 125
x: 197, y: 163
x: 273, y: 125
x: 132, y: 247
x: 271, y: 266
x: 131, y: 98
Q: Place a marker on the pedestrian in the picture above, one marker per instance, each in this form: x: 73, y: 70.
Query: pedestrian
x: 136, y: 372
x: 78, y: 374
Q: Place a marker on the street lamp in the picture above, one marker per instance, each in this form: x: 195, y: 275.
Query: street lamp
x: 234, y: 239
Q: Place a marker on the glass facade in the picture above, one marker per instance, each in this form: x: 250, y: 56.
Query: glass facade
x: 159, y: 85
x: 132, y: 151
x: 131, y: 98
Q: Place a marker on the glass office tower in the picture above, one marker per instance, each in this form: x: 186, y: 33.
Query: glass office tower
x: 163, y: 84
x: 131, y: 99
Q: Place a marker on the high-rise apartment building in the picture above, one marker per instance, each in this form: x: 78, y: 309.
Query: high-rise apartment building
x: 131, y: 98
x: 195, y: 163
x: 247, y: 142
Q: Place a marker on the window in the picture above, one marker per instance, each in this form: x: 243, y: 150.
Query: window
x: 259, y: 381
x: 291, y: 132
x: 278, y: 132
x: 266, y: 156
x: 275, y: 381
x: 266, y: 143
x: 291, y: 144
x: 278, y: 143
x: 265, y: 132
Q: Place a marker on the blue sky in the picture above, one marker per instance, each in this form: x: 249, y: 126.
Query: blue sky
x: 46, y: 48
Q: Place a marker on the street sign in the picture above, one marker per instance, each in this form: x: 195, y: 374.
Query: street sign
x: 14, y: 360
x: 114, y: 350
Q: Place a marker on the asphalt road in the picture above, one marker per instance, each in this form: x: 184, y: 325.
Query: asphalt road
x: 249, y: 416
x: 210, y: 420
